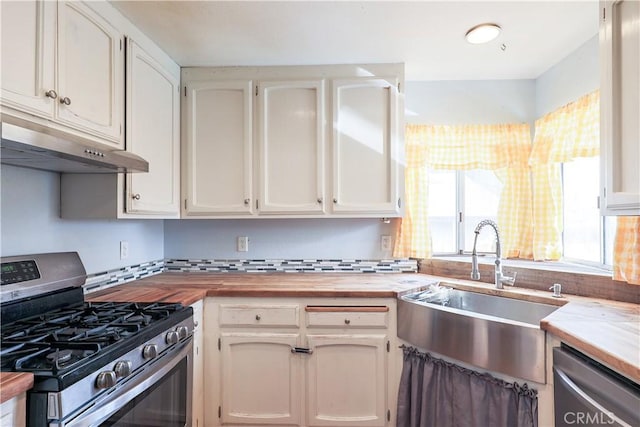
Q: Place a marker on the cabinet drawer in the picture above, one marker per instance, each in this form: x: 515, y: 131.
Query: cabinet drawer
x: 259, y: 315
x: 348, y: 317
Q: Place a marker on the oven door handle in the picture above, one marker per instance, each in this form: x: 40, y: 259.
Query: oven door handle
x: 574, y: 388
x: 102, y: 409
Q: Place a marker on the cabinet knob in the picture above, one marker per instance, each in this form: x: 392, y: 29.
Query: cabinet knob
x: 247, y: 201
x: 51, y: 94
x: 258, y: 317
x: 65, y: 101
x: 347, y: 321
x: 136, y: 196
x: 335, y: 200
x: 319, y: 200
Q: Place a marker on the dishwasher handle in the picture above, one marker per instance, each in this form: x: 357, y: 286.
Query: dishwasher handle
x: 589, y: 400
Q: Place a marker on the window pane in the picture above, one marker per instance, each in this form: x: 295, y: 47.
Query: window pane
x: 610, y: 224
x: 582, y: 221
x: 442, y: 210
x: 481, y: 196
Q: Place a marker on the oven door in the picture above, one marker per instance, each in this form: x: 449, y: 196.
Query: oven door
x: 159, y: 395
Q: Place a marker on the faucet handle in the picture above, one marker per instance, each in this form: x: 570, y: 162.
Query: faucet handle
x: 509, y: 280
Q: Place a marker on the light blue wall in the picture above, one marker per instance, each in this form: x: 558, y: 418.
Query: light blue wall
x: 30, y: 223
x: 277, y: 238
x: 470, y: 102
x: 576, y: 75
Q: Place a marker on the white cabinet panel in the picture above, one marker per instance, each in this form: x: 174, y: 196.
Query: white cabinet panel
x: 28, y: 61
x: 153, y: 132
x: 365, y: 146
x: 620, y: 106
x: 291, y: 139
x: 260, y: 379
x: 347, y: 380
x: 90, y: 72
x: 218, y: 149
x: 197, y: 418
x: 13, y: 412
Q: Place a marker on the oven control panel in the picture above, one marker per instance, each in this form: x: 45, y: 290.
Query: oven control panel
x: 19, y: 271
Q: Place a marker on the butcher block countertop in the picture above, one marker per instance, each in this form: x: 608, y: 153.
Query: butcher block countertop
x: 189, y: 287
x: 14, y: 383
x: 607, y: 330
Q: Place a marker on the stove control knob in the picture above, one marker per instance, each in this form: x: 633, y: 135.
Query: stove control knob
x: 149, y: 351
x: 106, y: 379
x: 183, y: 331
x: 122, y: 368
x: 172, y: 337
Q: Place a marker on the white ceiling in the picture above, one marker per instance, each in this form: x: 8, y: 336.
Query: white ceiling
x: 427, y: 36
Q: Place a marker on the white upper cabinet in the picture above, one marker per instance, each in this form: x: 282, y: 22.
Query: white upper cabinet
x: 305, y: 165
x: 366, y: 146
x: 153, y: 132
x: 28, y: 56
x: 63, y: 62
x: 291, y: 141
x: 152, y: 128
x: 620, y: 106
x: 218, y: 148
x: 90, y: 87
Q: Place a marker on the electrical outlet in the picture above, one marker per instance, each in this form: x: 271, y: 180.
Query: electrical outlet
x: 385, y: 243
x: 124, y: 249
x: 243, y: 244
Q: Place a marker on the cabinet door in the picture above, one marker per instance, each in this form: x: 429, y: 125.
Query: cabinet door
x: 365, y: 146
x: 90, y: 72
x: 261, y: 379
x: 620, y: 106
x: 28, y: 49
x: 291, y: 138
x: 153, y: 117
x: 218, y: 148
x: 347, y: 380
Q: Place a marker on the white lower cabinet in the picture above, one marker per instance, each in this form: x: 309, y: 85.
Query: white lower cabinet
x: 197, y: 417
x: 268, y: 365
x: 346, y: 380
x: 260, y: 379
x: 13, y: 412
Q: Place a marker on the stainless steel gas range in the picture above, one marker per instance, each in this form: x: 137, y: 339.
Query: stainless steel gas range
x: 95, y: 364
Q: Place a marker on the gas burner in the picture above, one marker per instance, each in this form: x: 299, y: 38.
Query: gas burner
x: 139, y: 318
x: 60, y: 356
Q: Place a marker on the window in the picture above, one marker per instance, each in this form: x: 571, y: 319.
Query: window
x: 587, y: 235
x: 470, y: 196
x: 474, y: 195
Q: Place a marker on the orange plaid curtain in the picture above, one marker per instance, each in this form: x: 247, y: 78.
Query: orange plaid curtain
x: 626, y: 250
x: 567, y: 133
x: 502, y: 148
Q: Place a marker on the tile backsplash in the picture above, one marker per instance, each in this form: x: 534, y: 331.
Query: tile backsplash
x: 294, y: 266
x: 106, y: 279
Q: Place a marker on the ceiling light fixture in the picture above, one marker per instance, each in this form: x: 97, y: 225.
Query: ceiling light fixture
x: 482, y: 33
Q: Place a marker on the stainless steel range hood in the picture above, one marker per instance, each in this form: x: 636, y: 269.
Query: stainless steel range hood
x: 43, y: 149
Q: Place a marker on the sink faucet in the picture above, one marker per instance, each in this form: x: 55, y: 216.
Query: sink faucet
x: 500, y: 278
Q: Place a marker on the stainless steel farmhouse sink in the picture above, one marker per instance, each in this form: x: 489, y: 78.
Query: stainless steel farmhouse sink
x: 496, y: 333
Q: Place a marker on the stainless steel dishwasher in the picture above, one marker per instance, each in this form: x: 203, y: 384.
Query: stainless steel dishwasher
x: 586, y: 393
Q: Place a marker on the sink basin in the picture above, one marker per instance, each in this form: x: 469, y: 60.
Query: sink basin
x: 496, y: 333
x: 489, y: 305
